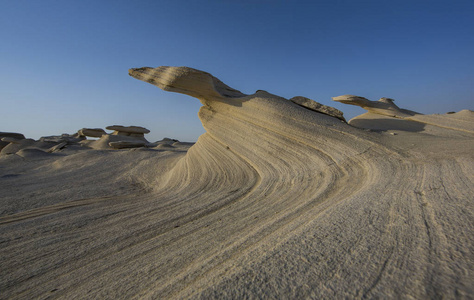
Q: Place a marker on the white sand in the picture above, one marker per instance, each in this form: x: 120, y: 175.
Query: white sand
x: 273, y: 201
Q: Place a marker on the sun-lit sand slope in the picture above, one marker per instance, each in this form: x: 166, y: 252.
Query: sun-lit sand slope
x: 273, y: 201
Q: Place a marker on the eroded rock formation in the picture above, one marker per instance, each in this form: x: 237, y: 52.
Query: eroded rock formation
x: 273, y: 201
x: 318, y: 107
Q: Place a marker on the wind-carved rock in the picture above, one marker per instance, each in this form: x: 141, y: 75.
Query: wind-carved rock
x: 9, y: 135
x: 207, y: 88
x: 132, y: 131
x: 318, y: 107
x: 384, y: 106
x: 91, y: 132
x: 184, y: 80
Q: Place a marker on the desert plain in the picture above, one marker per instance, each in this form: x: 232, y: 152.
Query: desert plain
x: 279, y: 199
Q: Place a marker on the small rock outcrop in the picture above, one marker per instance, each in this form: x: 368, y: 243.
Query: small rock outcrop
x: 318, y: 107
x: 91, y: 132
x: 15, y: 145
x: 14, y: 135
x: 70, y: 139
x: 132, y: 131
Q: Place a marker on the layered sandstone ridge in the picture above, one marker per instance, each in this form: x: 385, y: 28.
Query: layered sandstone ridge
x: 385, y: 115
x: 274, y: 201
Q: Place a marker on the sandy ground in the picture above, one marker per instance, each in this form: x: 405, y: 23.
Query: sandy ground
x: 273, y: 201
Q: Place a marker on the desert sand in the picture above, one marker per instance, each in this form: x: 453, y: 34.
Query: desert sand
x: 279, y: 199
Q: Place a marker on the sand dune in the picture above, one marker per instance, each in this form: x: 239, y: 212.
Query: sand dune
x: 274, y: 201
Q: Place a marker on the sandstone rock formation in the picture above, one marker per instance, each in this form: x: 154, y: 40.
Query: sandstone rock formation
x: 273, y: 201
x: 15, y: 145
x: 71, y: 139
x: 91, y: 132
x: 11, y: 140
x: 57, y: 147
x: 9, y: 135
x: 384, y: 106
x: 136, y: 132
x: 318, y: 107
x: 385, y: 115
x: 192, y: 82
x: 15, y: 135
x: 127, y: 130
x: 127, y: 144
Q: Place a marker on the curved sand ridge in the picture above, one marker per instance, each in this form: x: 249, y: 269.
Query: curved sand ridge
x: 273, y: 201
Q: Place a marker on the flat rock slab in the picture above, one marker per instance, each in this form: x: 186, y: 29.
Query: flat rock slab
x: 128, y: 129
x: 318, y: 107
x: 91, y: 132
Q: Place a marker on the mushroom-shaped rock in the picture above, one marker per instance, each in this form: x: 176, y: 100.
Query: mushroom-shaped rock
x: 127, y: 144
x: 91, y: 132
x: 136, y: 132
x: 318, y: 107
x: 384, y: 106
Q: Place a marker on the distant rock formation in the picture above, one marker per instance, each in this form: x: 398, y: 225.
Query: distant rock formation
x: 15, y: 145
x: 385, y: 115
x: 14, y: 135
x: 121, y: 137
x: 318, y: 107
x: 91, y: 132
x: 70, y: 139
x: 127, y: 144
x: 132, y: 131
x: 384, y: 106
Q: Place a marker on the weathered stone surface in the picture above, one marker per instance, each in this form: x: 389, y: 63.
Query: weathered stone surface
x: 384, y: 106
x: 189, y: 81
x: 318, y: 107
x: 57, y: 147
x: 164, y: 146
x: 10, y: 135
x: 11, y: 140
x: 70, y: 139
x: 91, y: 132
x: 12, y: 148
x: 127, y: 144
x: 15, y: 135
x: 128, y: 129
x: 33, y: 153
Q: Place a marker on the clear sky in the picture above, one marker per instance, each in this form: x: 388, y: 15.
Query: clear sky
x: 64, y: 64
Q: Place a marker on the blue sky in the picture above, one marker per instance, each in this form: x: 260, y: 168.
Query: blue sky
x: 65, y: 63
